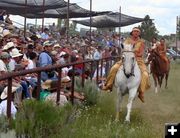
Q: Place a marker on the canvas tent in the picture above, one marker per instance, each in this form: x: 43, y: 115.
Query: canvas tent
x: 110, y: 20
x: 75, y: 11
x: 51, y: 9
x: 17, y: 7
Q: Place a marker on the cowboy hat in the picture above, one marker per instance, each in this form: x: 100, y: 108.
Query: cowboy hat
x: 48, y: 43
x: 8, y: 46
x: 5, y: 55
x: 62, y: 54
x: 57, y: 45
x: 5, y: 92
x: 47, y: 84
x: 6, y: 32
x: 65, y: 79
x: 15, y: 53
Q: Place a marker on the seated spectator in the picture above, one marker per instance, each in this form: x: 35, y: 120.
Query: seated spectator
x: 45, y: 59
x: 3, y: 104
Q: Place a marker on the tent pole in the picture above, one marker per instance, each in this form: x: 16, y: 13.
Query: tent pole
x: 43, y: 16
x: 67, y: 25
x: 25, y: 18
x: 119, y: 26
x: 36, y: 23
x: 90, y: 21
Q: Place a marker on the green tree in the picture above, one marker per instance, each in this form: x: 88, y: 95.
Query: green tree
x: 148, y: 29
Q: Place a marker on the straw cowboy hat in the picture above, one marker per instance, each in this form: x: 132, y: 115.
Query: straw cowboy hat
x: 8, y: 46
x: 47, y: 84
x: 15, y: 53
x: 48, y: 43
x: 57, y: 45
x: 6, y: 32
x: 5, y: 92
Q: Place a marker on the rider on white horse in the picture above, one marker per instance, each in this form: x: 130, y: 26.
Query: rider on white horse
x: 139, y: 52
x: 127, y: 79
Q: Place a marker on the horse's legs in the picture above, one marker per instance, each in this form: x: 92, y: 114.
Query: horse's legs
x: 161, y: 80
x: 155, y: 82
x: 166, y: 77
x: 132, y: 94
x: 118, y: 103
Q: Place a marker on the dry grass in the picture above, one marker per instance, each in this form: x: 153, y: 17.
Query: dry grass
x: 162, y: 107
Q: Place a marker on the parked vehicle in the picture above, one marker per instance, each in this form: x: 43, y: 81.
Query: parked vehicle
x: 172, y: 54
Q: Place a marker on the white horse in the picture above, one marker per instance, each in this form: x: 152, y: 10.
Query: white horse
x: 127, y: 79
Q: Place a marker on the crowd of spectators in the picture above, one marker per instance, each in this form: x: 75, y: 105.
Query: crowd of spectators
x: 40, y: 49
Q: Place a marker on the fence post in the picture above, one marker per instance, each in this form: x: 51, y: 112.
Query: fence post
x: 97, y: 65
x: 9, y: 97
x: 101, y: 68
x: 38, y: 86
x: 72, y: 87
x: 58, y: 86
x: 91, y: 76
x: 83, y: 75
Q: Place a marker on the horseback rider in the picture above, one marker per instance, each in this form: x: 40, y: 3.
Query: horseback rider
x: 154, y: 43
x: 135, y: 40
x: 161, y: 49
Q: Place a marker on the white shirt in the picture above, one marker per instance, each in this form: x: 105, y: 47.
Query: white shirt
x: 99, y: 73
x: 97, y: 55
x: 31, y: 64
x: 3, y: 108
x: 3, y: 66
x: 12, y: 64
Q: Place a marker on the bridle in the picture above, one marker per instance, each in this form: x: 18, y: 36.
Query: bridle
x: 132, y: 68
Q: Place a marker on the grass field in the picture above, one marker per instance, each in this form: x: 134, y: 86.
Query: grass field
x: 147, y: 119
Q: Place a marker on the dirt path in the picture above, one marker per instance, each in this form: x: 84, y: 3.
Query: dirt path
x: 163, y: 107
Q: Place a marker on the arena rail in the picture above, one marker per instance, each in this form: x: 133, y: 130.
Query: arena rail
x: 9, y: 77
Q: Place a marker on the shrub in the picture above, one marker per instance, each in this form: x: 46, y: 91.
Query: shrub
x: 90, y: 91
x: 4, y: 124
x: 41, y: 119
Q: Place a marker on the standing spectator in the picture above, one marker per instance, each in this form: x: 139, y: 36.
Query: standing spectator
x: 45, y: 34
x: 97, y: 54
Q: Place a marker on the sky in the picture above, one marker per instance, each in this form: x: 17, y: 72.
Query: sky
x: 164, y: 12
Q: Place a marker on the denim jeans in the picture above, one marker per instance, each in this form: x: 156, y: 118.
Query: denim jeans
x: 25, y: 89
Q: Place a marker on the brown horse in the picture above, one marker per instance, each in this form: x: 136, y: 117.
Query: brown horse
x: 159, y: 68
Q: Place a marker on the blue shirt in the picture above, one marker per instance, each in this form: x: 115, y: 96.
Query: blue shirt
x: 44, y: 59
x: 44, y: 36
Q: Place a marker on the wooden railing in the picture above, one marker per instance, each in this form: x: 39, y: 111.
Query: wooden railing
x: 58, y: 68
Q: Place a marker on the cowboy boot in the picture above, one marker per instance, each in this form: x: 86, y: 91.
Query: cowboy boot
x: 141, y: 96
x: 106, y: 88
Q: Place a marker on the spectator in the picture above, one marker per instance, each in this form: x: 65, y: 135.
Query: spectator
x: 45, y: 59
x: 45, y: 34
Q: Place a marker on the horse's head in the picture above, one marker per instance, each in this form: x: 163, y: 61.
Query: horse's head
x: 150, y: 56
x: 128, y: 59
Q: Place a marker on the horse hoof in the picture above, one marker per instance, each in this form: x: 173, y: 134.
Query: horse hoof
x: 127, y: 121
